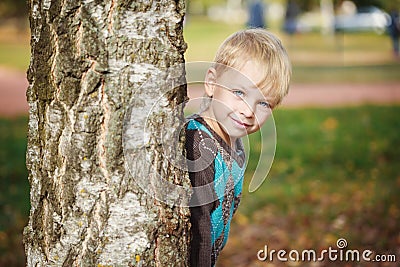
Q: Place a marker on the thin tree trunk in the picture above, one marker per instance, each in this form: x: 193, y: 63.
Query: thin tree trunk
x: 89, y: 60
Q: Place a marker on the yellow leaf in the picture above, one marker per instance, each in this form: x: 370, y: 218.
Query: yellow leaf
x: 330, y: 124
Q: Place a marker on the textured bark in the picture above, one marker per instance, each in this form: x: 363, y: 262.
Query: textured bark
x: 89, y: 60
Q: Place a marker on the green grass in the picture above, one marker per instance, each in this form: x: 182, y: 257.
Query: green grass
x: 203, y: 37
x: 342, y: 145
x: 14, y: 190
x: 347, y: 41
x: 347, y: 74
x: 15, y: 55
x: 335, y: 175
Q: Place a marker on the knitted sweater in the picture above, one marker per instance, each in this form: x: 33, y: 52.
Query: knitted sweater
x: 212, y: 162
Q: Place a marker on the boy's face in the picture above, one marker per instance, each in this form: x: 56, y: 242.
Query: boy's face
x: 237, y: 105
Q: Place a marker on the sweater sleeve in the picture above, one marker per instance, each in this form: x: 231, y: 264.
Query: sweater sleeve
x: 201, y: 247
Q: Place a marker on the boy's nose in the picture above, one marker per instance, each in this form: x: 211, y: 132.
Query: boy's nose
x: 246, y: 110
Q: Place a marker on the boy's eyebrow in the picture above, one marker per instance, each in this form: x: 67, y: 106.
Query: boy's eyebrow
x: 251, y: 85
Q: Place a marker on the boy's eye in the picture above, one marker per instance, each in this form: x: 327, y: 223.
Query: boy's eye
x: 237, y: 93
x: 264, y: 104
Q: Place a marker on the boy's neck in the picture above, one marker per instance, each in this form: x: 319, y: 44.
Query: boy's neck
x: 218, y: 129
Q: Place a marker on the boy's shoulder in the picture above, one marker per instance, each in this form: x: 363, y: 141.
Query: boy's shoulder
x: 196, y: 123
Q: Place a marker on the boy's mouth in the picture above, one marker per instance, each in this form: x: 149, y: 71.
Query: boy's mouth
x: 240, y: 123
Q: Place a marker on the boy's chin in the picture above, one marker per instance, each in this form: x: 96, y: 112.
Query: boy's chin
x: 238, y: 135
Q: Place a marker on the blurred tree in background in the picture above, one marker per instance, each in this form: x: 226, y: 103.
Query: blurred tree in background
x: 13, y: 9
x: 307, y: 5
x: 378, y: 3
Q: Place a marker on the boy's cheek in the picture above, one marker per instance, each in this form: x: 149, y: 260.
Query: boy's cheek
x: 262, y: 120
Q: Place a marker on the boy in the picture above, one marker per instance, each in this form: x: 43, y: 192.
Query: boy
x: 249, y: 78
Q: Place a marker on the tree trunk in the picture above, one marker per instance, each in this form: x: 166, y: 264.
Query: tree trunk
x: 89, y: 60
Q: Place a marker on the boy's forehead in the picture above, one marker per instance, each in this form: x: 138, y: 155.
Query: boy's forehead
x: 249, y: 75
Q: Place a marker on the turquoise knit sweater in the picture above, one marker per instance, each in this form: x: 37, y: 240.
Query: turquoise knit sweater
x: 212, y: 162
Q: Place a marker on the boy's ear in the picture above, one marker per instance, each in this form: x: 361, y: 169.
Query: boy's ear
x: 210, y: 81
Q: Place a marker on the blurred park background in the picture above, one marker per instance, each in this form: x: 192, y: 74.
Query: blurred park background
x: 336, y: 168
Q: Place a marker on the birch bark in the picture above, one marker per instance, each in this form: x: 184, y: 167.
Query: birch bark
x: 89, y: 60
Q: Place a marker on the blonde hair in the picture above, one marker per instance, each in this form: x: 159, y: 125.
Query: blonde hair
x: 267, y: 51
